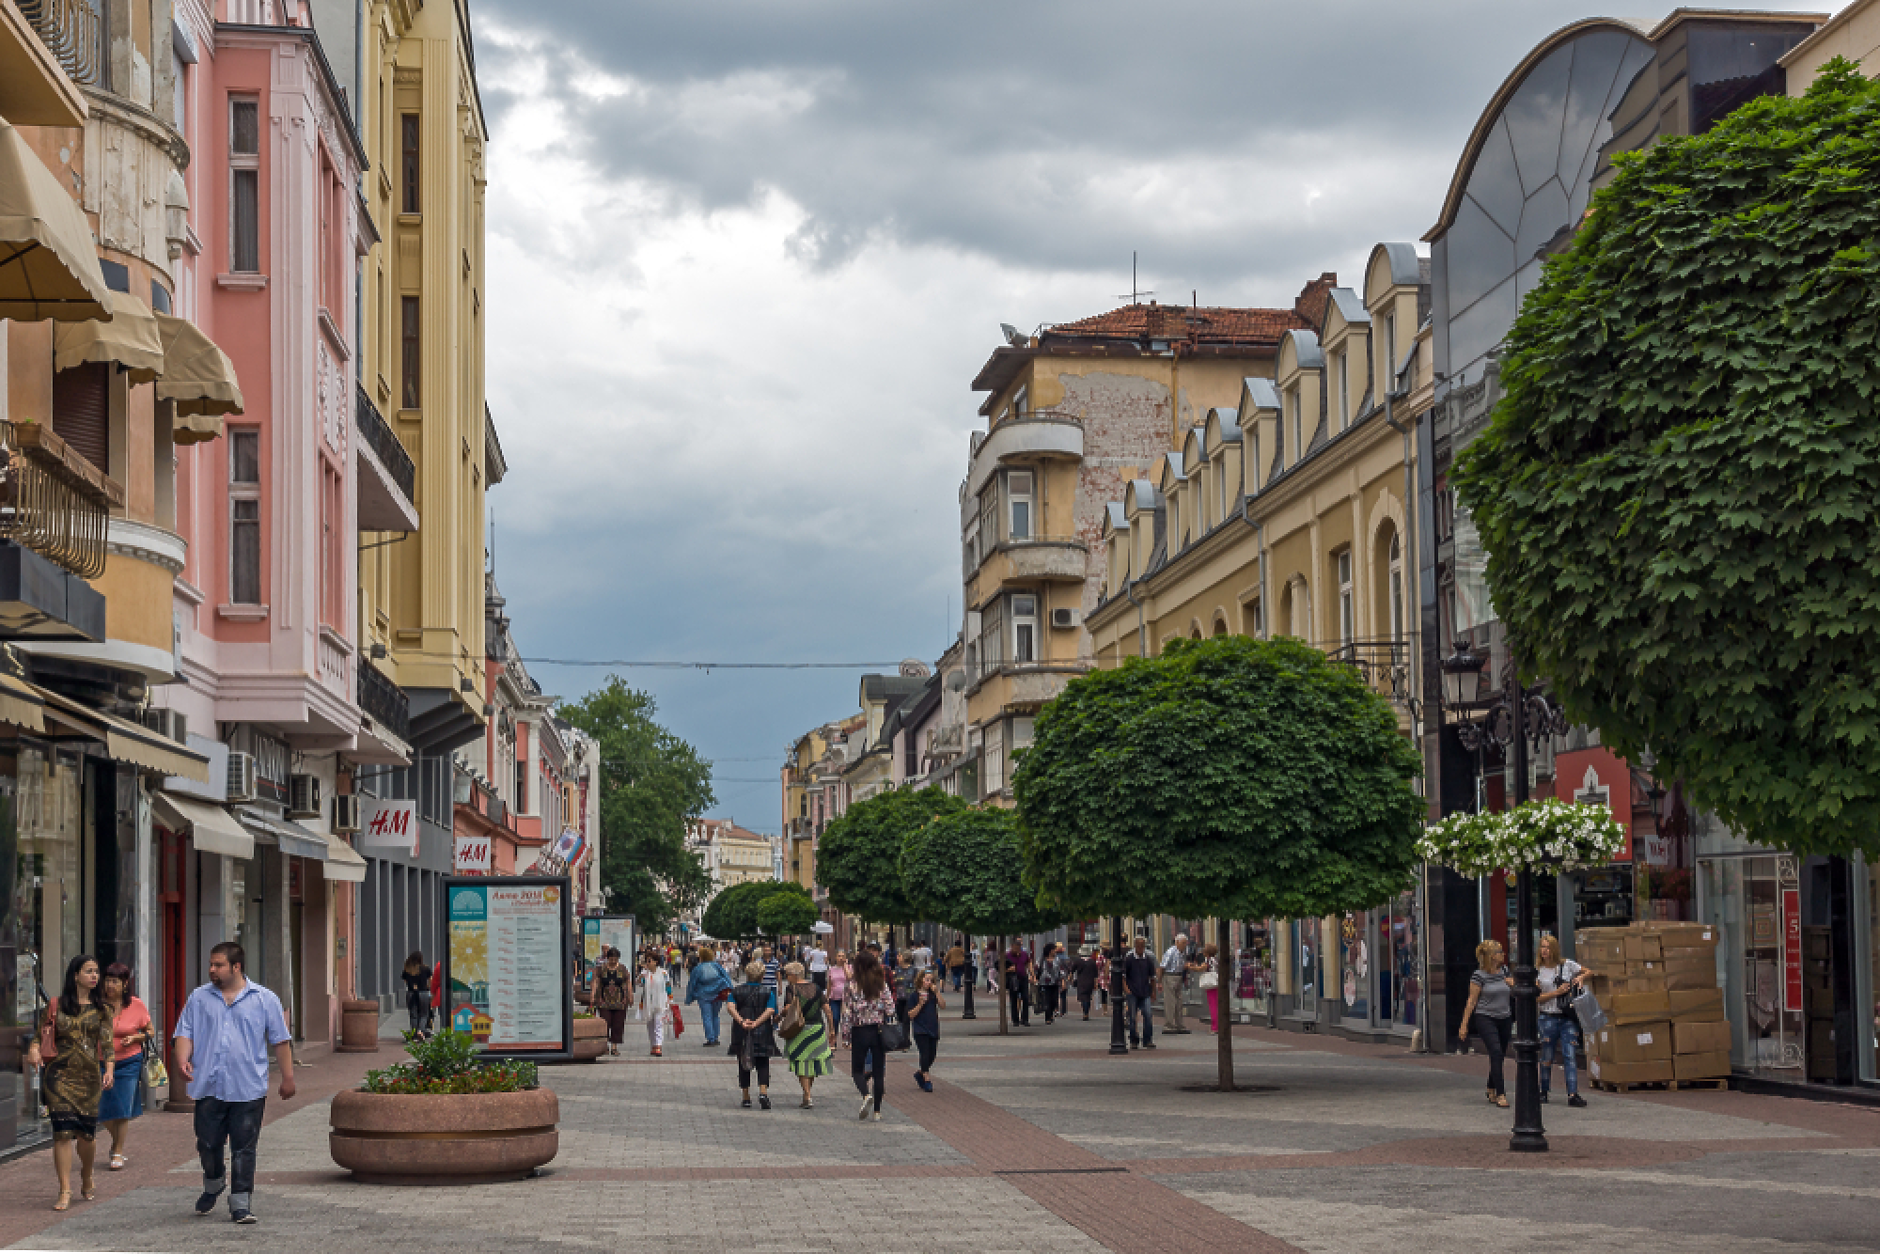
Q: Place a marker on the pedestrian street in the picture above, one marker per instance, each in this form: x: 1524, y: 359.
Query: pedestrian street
x: 1039, y: 1141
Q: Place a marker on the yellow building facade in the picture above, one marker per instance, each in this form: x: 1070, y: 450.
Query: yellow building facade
x: 421, y: 595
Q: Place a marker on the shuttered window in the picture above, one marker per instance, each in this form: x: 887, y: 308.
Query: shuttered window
x: 244, y: 516
x: 81, y: 411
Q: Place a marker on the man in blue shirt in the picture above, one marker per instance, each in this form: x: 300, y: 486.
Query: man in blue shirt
x: 222, y: 1042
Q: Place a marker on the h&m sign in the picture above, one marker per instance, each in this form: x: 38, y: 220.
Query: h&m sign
x: 389, y: 824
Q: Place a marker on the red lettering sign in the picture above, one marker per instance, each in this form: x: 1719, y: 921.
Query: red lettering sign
x: 389, y: 823
x: 1792, y: 949
x: 472, y: 855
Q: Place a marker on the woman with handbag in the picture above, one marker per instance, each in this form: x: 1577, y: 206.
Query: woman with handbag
x: 654, y: 1005
x: 74, y: 1045
x: 133, y: 1034
x: 753, y: 1011
x: 1559, y: 981
x: 866, y: 1026
x: 613, y: 990
x: 1209, y: 981
x: 804, y: 1028
x: 707, y: 987
x: 1492, y: 995
x: 417, y: 978
x: 1048, y: 979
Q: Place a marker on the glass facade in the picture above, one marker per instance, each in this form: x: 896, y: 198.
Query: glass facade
x: 49, y: 924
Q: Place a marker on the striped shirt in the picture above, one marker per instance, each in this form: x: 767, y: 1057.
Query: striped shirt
x: 770, y: 974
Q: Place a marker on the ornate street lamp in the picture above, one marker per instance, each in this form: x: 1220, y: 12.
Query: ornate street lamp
x: 1513, y: 720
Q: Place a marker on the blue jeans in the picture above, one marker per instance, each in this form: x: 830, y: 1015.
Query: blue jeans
x: 1142, y: 1004
x: 1558, y: 1035
x: 708, y: 1016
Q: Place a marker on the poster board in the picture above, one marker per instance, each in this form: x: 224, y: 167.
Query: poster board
x: 601, y: 932
x: 507, y: 964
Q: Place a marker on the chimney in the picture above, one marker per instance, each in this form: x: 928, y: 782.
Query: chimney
x: 1314, y: 297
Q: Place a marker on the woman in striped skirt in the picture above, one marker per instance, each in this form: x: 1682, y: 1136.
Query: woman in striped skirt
x: 808, y: 1048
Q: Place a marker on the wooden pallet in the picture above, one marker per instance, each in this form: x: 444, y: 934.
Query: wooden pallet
x: 1712, y: 1084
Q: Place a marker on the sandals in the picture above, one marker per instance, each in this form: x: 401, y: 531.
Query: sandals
x: 87, y: 1190
x: 119, y: 1162
x: 65, y: 1200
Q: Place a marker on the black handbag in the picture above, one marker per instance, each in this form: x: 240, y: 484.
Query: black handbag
x: 893, y: 1037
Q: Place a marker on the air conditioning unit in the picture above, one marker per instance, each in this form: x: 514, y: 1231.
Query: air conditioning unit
x: 169, y: 723
x: 346, y: 813
x: 241, y: 776
x: 1063, y: 619
x: 303, y: 797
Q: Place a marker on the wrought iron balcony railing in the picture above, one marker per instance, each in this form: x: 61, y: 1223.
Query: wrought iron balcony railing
x: 378, y: 433
x: 52, y: 500
x: 74, y: 31
x: 384, y: 700
x: 1384, y: 665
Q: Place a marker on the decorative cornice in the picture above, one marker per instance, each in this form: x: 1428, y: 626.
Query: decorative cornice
x: 144, y: 542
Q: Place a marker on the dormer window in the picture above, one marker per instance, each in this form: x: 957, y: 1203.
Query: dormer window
x: 1220, y: 486
x: 1389, y: 372
x: 1298, y: 425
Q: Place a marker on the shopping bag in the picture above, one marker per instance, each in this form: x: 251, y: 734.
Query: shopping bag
x: 1587, y: 1010
x: 678, y: 1022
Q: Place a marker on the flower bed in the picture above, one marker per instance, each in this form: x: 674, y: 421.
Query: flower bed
x: 1546, y: 834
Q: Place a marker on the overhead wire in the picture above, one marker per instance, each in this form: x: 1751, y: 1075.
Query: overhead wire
x: 707, y: 666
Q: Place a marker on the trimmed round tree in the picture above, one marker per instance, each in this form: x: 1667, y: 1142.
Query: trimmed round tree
x: 733, y: 913
x: 965, y: 870
x: 786, y: 914
x: 1230, y: 777
x: 858, y: 856
x: 1677, y: 490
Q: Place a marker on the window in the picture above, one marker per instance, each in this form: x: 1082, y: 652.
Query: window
x: 244, y: 161
x: 988, y: 518
x: 993, y: 754
x: 1019, y: 400
x: 412, y: 352
x: 408, y: 152
x: 1344, y: 389
x: 1346, y: 620
x: 81, y: 411
x: 244, y: 504
x: 992, y: 638
x: 1256, y: 619
x: 1227, y: 508
x: 1389, y: 372
x: 1252, y: 460
x: 1024, y: 629
x: 1396, y: 589
x: 970, y: 547
x: 1018, y: 500
x: 1298, y: 429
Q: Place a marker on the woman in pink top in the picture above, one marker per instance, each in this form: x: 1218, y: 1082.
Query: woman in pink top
x: 838, y: 985
x: 131, y: 1030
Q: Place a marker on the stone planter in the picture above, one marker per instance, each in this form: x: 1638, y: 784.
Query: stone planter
x: 358, y: 1028
x: 590, y: 1038
x: 468, y: 1138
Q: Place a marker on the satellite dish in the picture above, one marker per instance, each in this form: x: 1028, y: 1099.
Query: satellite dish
x: 1013, y: 336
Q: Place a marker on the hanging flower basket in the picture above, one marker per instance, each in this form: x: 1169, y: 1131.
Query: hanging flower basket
x: 1549, y: 834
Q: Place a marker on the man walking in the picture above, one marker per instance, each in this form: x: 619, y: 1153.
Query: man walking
x: 1139, y: 982
x: 1174, y: 974
x: 222, y: 1042
x: 956, y: 963
x: 818, y: 966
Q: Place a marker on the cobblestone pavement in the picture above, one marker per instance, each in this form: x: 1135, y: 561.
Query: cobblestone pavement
x: 1039, y: 1141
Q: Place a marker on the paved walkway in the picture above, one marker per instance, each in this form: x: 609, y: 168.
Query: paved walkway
x: 1040, y: 1142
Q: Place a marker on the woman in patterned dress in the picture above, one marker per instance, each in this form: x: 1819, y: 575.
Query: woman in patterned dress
x: 808, y: 1051
x: 77, y: 1075
x: 613, y: 989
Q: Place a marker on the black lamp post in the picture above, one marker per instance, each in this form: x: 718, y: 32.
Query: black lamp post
x: 974, y: 968
x: 1119, y: 1043
x: 1512, y: 719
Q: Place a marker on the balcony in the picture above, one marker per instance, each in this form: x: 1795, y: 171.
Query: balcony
x: 388, y: 479
x: 1034, y: 437
x: 1385, y: 667
x: 1038, y: 559
x: 52, y: 500
x: 73, y: 30
x: 384, y: 701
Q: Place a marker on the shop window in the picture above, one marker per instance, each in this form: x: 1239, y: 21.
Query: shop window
x: 1356, y: 960
x: 1305, y: 956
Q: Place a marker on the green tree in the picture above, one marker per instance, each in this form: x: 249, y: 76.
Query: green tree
x: 1677, y: 490
x: 1230, y: 777
x: 651, y: 783
x: 733, y: 913
x: 787, y: 914
x: 964, y: 869
x: 858, y: 856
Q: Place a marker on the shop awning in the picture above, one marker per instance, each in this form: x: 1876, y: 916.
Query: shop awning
x: 215, y: 830
x: 199, y: 377
x: 125, y: 741
x: 301, y: 842
x: 48, y: 260
x: 131, y: 339
x: 20, y: 705
x: 342, y: 863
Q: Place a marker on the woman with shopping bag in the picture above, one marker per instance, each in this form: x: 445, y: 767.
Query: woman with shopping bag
x: 653, y: 1006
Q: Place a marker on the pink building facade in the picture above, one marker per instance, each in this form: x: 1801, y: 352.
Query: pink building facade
x: 266, y: 602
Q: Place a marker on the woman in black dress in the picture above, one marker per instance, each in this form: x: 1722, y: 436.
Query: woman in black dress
x: 417, y: 978
x: 753, y: 1010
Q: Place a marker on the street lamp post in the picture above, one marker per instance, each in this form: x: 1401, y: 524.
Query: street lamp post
x: 973, y: 967
x: 1119, y: 1043
x: 1512, y: 720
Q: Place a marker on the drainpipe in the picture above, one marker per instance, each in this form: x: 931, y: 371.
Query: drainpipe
x: 1142, y: 626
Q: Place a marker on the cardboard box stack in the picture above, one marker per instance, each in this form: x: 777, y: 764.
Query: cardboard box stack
x: 1658, y: 984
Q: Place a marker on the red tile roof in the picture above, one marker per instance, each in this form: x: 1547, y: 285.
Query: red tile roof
x: 1209, y: 324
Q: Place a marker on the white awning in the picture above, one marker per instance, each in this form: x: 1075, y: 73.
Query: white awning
x: 216, y: 831
x: 300, y: 842
x: 342, y: 863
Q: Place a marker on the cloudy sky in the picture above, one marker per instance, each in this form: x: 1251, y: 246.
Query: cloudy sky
x: 745, y: 257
